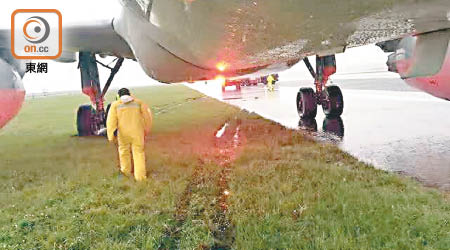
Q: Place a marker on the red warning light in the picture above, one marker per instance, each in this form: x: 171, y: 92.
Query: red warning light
x: 222, y: 66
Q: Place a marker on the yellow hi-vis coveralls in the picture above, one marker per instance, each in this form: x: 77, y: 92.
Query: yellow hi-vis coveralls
x: 133, y: 121
x: 270, y: 81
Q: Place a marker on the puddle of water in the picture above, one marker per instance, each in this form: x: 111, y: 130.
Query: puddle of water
x: 332, y: 130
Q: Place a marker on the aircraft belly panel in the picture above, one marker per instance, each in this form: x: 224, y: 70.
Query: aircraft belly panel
x: 252, y: 33
x: 156, y: 61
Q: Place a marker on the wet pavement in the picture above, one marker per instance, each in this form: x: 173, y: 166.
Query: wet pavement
x: 385, y: 123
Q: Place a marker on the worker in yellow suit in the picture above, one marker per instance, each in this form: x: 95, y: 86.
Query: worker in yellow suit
x: 270, y: 80
x: 132, y: 119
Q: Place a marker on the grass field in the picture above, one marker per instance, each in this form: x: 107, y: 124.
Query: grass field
x: 259, y: 186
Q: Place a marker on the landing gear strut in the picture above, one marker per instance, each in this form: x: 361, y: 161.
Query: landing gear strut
x: 329, y: 97
x: 91, y: 119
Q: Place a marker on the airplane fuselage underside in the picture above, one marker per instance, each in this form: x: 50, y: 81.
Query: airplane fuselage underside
x: 184, y: 40
x: 190, y: 40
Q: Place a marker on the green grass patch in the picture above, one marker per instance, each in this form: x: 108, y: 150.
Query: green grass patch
x: 61, y: 191
x: 287, y: 192
x: 291, y: 193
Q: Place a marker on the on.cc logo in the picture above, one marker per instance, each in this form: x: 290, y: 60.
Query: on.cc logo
x: 36, y: 30
x: 36, y: 34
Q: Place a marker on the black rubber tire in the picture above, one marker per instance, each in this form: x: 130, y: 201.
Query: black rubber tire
x: 333, y: 104
x: 306, y: 103
x: 107, y: 112
x: 84, y: 120
x: 334, y: 126
x: 308, y: 124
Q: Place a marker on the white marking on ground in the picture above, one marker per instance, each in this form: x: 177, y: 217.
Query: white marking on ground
x: 220, y: 133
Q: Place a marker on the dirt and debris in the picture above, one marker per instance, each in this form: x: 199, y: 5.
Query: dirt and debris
x: 227, y: 144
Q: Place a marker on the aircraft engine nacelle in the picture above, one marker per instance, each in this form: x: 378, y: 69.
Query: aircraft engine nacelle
x: 12, y: 93
x: 423, y: 61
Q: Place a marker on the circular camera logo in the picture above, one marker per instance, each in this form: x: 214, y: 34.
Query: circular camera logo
x: 36, y: 34
x: 36, y: 30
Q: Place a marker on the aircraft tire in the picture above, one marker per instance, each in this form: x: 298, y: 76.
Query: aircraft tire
x: 333, y: 104
x: 308, y: 124
x: 84, y: 120
x: 107, y: 112
x: 334, y: 126
x: 306, y: 103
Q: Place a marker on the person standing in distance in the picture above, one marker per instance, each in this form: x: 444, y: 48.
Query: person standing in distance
x: 270, y: 82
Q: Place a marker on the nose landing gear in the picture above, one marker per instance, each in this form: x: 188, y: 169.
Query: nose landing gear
x: 329, y: 97
x: 91, y: 119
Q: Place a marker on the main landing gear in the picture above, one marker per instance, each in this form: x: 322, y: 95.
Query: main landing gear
x: 91, y: 119
x: 329, y: 97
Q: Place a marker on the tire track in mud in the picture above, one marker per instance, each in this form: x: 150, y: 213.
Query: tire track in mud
x: 227, y: 146
x: 172, y: 235
x: 166, y: 108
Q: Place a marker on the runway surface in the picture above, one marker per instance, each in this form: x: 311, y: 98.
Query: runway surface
x: 385, y: 123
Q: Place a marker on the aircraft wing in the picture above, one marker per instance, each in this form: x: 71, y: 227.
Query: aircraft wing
x: 97, y: 37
